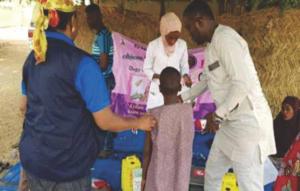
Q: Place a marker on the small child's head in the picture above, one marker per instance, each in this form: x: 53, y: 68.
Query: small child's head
x: 170, y: 81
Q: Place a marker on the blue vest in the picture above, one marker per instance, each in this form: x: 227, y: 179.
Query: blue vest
x: 59, y: 141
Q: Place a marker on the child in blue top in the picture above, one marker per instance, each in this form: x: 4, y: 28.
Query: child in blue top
x: 102, y: 52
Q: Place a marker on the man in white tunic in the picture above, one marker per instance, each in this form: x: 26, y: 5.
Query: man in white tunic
x: 166, y: 50
x: 243, y: 121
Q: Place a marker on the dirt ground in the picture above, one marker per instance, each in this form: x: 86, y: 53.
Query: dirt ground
x: 14, y: 47
x: 12, y: 56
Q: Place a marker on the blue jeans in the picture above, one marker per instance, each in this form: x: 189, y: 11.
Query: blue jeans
x: 38, y: 184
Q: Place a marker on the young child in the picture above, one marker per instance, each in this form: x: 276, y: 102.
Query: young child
x: 102, y: 52
x: 168, y: 148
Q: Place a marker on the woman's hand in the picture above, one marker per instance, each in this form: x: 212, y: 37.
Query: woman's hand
x: 155, y: 76
x: 187, y: 80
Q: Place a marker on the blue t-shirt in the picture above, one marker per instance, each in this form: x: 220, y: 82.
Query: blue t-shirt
x: 61, y: 140
x: 91, y: 85
x: 89, y: 82
x: 103, y: 43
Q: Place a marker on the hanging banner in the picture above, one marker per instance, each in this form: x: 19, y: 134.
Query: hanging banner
x: 129, y: 97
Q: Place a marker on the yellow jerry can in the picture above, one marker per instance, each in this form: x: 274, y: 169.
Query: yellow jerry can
x: 128, y: 165
x: 229, y: 182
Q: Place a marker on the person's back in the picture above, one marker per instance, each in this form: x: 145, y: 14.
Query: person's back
x: 66, y: 104
x: 52, y: 137
x: 171, y: 148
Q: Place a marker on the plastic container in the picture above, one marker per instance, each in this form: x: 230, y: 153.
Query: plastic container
x: 129, y: 164
x: 137, y: 179
x: 229, y: 182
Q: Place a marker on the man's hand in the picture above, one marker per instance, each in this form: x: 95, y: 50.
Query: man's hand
x: 147, y: 122
x: 211, y: 125
x: 187, y: 80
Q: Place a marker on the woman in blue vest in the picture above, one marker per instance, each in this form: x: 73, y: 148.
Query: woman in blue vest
x: 67, y: 102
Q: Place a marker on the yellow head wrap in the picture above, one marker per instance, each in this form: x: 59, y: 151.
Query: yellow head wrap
x: 41, y: 23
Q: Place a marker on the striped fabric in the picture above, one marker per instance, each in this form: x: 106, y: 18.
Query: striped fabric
x: 103, y: 43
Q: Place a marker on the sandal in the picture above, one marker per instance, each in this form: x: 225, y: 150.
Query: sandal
x: 4, y: 166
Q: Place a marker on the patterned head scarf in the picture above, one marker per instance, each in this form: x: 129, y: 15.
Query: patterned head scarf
x: 42, y: 21
x: 169, y: 23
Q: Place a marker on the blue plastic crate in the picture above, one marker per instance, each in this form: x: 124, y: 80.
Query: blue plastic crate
x: 8, y: 188
x: 108, y: 170
x: 201, y: 148
x: 128, y: 141
x: 12, y: 176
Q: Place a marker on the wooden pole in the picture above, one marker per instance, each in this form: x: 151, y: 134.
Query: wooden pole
x: 162, y: 8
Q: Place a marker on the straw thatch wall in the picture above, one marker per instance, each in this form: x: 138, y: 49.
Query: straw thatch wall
x: 139, y: 26
x: 274, y: 41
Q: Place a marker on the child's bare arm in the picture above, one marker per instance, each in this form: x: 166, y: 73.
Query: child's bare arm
x: 147, y: 156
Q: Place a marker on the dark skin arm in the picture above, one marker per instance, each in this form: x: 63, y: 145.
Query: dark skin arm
x: 211, y: 125
x: 147, y: 157
x: 155, y: 76
x: 187, y: 80
x: 103, y: 61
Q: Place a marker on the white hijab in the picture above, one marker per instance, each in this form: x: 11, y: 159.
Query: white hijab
x: 169, y: 23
